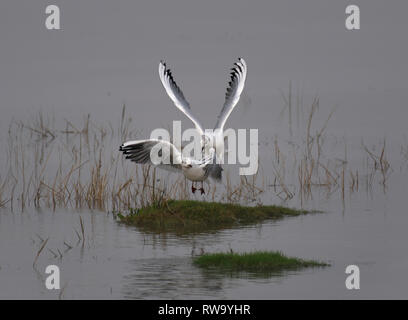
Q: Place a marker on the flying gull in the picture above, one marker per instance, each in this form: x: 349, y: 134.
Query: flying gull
x: 212, y: 143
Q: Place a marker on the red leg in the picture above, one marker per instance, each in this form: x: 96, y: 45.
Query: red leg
x: 193, y: 189
x: 202, y: 189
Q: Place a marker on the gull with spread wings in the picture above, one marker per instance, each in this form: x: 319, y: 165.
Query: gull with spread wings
x: 212, y: 143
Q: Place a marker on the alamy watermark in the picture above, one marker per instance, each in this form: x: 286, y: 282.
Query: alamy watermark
x: 233, y: 142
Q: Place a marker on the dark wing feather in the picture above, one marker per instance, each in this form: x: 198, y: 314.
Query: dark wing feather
x: 234, y: 90
x: 139, y: 151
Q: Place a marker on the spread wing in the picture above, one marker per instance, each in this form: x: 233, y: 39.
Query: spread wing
x: 145, y: 151
x: 176, y: 95
x: 234, y: 90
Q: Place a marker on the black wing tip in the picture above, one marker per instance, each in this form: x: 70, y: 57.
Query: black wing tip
x: 126, y: 149
x: 242, y: 62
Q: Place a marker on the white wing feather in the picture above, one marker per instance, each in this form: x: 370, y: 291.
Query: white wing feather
x: 139, y: 151
x: 176, y: 95
x: 236, y: 85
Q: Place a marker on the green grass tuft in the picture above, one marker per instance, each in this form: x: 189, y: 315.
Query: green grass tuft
x: 197, y: 216
x: 263, y: 262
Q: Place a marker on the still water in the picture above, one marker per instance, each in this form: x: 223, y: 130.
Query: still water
x: 117, y: 261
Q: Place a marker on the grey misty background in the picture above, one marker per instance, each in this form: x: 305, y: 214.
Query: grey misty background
x: 107, y: 54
